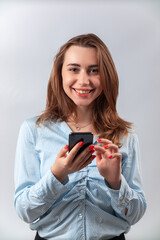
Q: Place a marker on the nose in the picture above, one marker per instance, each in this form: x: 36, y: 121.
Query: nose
x: 83, y: 78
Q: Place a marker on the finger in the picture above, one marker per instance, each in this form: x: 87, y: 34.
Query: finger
x: 74, y: 150
x: 111, y: 147
x: 86, y: 163
x: 99, y: 149
x: 83, y: 156
x: 63, y: 151
x: 104, y: 141
x: 98, y: 156
x: 116, y: 155
x: 89, y: 149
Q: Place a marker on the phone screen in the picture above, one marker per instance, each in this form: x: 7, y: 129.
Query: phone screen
x: 75, y: 137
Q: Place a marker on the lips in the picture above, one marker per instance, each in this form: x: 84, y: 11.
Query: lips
x: 82, y: 91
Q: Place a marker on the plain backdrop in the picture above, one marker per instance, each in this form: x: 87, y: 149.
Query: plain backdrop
x: 31, y: 33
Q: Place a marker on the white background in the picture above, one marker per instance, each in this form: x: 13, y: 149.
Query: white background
x: 31, y: 33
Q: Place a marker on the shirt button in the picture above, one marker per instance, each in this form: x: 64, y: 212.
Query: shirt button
x: 121, y: 198
x: 56, y: 196
x: 80, y: 215
x: 81, y: 191
x: 80, y: 203
x: 82, y: 180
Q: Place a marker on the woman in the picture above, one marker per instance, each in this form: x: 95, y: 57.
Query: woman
x: 91, y: 196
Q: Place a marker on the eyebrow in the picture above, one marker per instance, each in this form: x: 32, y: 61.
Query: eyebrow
x: 78, y: 65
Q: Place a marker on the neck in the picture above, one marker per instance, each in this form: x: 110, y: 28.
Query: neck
x: 84, y: 121
x: 84, y: 115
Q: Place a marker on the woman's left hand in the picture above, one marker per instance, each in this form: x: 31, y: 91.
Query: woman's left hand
x: 108, y: 161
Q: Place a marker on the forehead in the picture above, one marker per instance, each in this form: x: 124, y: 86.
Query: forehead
x: 86, y: 55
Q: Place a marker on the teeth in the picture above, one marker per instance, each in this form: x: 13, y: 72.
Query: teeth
x: 82, y: 91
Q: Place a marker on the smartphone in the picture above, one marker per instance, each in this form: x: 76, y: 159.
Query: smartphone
x: 75, y: 137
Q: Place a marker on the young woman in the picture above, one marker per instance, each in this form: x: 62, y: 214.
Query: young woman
x: 91, y: 196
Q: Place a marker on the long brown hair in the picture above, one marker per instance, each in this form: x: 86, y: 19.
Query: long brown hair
x: 59, y: 106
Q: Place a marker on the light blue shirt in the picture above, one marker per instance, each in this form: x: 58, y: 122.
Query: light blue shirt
x: 83, y: 207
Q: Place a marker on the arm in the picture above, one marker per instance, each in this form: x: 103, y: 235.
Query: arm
x: 33, y: 195
x: 128, y: 200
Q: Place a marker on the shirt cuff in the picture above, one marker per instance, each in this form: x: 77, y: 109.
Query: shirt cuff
x: 49, y: 188
x: 121, y: 196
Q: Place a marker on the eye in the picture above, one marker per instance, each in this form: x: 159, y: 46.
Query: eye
x: 93, y: 70
x: 73, y: 69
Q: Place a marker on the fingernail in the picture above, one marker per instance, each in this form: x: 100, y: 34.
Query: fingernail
x: 91, y: 147
x: 92, y: 151
x: 110, y: 157
x: 66, y: 146
x: 93, y: 156
x: 106, y: 146
x: 99, y: 140
x: 80, y: 144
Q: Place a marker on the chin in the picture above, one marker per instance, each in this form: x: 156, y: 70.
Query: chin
x: 79, y: 104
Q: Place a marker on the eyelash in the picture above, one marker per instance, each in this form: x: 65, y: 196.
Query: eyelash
x: 92, y: 70
x: 73, y: 69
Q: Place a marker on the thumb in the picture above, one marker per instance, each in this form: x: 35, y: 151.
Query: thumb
x: 98, y: 156
x: 63, y: 151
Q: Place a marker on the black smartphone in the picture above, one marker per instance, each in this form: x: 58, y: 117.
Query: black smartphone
x: 75, y: 137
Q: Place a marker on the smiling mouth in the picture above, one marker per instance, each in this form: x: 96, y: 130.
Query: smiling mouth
x: 82, y: 91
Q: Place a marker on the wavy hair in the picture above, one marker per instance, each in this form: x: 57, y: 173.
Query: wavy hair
x: 105, y: 118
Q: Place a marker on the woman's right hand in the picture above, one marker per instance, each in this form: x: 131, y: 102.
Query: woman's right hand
x: 67, y: 163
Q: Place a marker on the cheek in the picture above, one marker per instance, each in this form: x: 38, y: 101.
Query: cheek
x: 99, y: 91
x: 98, y: 84
x: 66, y: 80
x: 67, y: 85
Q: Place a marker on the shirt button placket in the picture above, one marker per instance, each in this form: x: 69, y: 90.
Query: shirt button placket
x: 82, y: 206
x: 80, y: 215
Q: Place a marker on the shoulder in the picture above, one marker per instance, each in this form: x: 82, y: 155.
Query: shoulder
x: 130, y: 149
x: 28, y: 126
x: 130, y: 140
x: 29, y: 123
